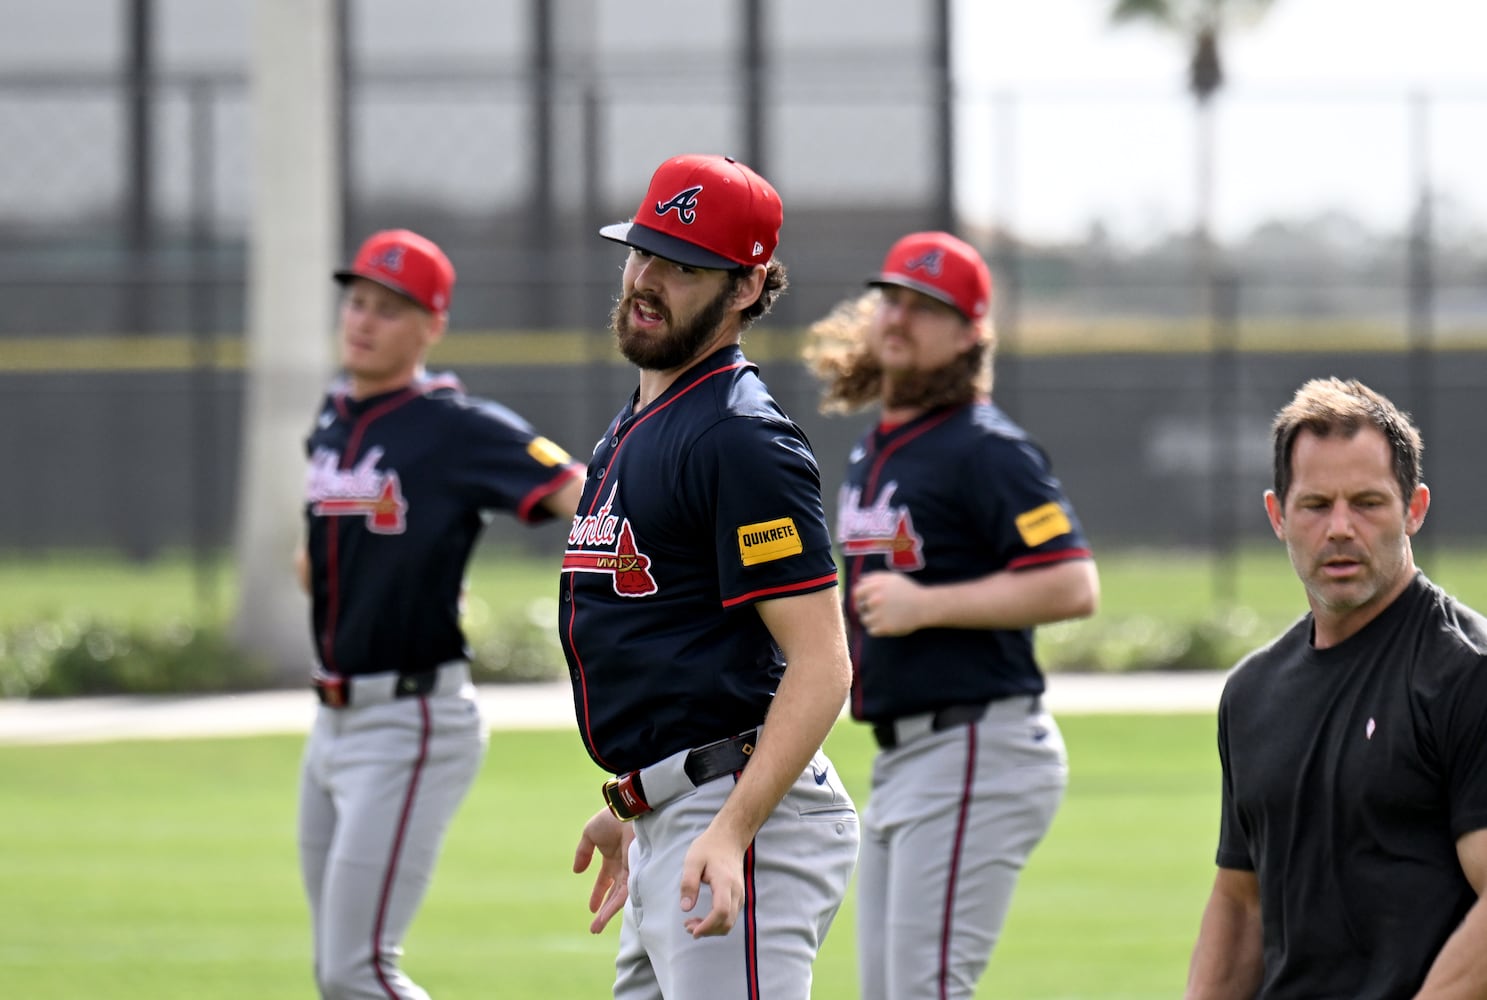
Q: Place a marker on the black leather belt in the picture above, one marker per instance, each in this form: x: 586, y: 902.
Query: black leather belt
x: 626, y: 795
x: 896, y: 731
x: 339, y: 690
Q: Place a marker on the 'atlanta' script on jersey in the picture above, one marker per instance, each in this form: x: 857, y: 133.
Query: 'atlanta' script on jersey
x: 360, y: 491
x: 881, y: 529
x: 602, y: 543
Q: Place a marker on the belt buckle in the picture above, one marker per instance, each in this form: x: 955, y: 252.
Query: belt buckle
x: 624, y: 798
x: 333, y: 690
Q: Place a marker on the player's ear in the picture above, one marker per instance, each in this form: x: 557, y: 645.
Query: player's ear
x: 434, y: 332
x: 749, y: 287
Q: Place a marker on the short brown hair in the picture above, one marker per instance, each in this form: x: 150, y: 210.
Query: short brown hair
x: 1327, y: 406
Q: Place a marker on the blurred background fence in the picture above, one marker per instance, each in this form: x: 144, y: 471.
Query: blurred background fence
x: 1149, y: 370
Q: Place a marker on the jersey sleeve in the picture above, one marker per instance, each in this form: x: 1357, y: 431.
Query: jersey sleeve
x: 757, y: 481
x: 507, y: 464
x: 1020, y: 508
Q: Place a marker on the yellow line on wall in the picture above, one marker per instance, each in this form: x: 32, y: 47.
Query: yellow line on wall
x: 177, y: 352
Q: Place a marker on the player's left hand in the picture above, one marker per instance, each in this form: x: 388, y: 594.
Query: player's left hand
x: 716, y: 859
x: 611, y: 838
x: 887, y: 603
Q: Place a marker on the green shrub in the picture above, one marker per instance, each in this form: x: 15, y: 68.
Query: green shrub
x: 63, y: 659
x: 1119, y: 645
x: 520, y: 648
x: 69, y: 658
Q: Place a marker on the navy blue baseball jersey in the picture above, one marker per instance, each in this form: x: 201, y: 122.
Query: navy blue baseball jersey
x: 398, y: 489
x: 697, y: 507
x: 955, y: 494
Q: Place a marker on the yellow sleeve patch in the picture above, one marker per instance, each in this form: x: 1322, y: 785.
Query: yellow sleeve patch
x: 1040, y: 524
x: 767, y: 540
x: 547, y: 453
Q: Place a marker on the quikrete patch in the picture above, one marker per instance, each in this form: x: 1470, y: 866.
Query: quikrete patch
x: 768, y: 540
x: 1043, y: 523
x: 546, y: 452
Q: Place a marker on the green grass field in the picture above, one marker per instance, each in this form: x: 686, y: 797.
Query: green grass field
x: 141, y: 871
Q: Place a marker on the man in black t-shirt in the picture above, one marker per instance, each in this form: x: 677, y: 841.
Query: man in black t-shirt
x: 1353, y: 834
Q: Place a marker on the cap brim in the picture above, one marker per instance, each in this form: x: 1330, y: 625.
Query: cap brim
x: 906, y: 282
x: 633, y: 234
x: 344, y: 276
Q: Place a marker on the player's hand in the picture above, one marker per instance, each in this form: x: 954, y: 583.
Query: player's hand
x: 888, y: 603
x: 714, y: 858
x: 611, y: 838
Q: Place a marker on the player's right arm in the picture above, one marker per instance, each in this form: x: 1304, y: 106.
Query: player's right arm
x: 890, y: 603
x: 611, y: 838
x: 1229, y: 959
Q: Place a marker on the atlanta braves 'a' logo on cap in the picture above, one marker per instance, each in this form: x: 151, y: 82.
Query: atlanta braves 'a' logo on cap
x: 684, y: 203
x: 390, y: 259
x: 614, y: 552
x: 930, y: 262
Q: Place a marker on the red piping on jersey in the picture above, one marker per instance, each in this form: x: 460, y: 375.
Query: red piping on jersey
x: 788, y: 588
x: 854, y: 566
x: 583, y: 681
x: 390, y: 876
x: 947, y: 923
x: 751, y: 918
x: 1045, y: 558
x: 547, y: 489
x: 333, y: 530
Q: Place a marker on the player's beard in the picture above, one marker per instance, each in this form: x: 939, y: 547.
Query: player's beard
x: 680, y: 344
x: 950, y: 385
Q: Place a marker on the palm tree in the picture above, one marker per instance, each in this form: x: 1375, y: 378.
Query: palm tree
x: 1202, y: 24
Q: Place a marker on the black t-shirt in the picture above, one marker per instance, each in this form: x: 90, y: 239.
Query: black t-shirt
x: 1348, y: 775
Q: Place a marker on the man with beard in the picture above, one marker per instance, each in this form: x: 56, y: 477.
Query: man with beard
x: 700, y: 620
x: 957, y: 541
x: 1353, y: 827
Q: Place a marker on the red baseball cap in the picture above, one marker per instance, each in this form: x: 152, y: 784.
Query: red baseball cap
x: 705, y: 211
x: 408, y: 264
x: 942, y: 267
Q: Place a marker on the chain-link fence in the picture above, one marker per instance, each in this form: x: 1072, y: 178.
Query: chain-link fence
x: 1149, y: 369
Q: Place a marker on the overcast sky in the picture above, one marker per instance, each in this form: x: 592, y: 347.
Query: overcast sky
x: 1318, y: 114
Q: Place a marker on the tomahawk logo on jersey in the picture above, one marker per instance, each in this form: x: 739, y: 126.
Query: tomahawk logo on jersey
x: 884, y: 528
x: 361, y: 491
x: 606, y: 544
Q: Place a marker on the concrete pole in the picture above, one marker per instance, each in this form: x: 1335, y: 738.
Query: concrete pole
x: 295, y: 240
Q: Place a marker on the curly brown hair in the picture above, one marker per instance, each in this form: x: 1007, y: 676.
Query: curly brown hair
x: 776, y: 280
x: 836, y: 352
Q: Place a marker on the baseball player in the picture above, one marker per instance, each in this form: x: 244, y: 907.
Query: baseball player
x: 957, y: 541
x: 404, y: 470
x: 701, y: 624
